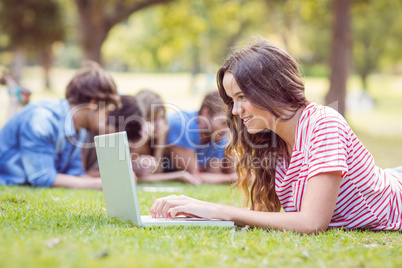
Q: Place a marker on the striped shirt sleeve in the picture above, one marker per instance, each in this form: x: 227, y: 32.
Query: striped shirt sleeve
x: 328, y: 147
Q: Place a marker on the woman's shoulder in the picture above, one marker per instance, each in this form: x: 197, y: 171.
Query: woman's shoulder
x: 318, y: 116
x: 317, y: 121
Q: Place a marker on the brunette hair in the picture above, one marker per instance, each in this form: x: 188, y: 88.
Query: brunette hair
x: 149, y: 101
x: 270, y: 79
x: 91, y: 82
x: 213, y: 103
x: 131, y: 114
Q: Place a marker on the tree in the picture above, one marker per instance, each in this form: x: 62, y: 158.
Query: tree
x: 167, y: 37
x: 340, y: 54
x: 97, y: 17
x: 283, y: 20
x: 32, y: 27
x: 376, y: 25
x: 191, y: 36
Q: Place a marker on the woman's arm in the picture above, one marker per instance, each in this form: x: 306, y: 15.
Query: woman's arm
x: 68, y: 181
x: 176, y: 175
x: 185, y: 159
x: 315, y: 214
x: 217, y: 178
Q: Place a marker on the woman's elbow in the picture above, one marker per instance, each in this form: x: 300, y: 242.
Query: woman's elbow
x: 316, y: 230
x: 314, y: 225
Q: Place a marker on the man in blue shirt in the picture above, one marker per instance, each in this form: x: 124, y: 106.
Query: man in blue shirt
x: 196, y: 142
x: 129, y: 118
x: 41, y: 145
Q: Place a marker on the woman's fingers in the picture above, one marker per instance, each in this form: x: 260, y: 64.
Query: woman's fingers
x: 165, y: 209
x: 187, y: 210
x: 156, y: 207
x: 153, y: 208
x: 161, y: 206
x: 177, y: 211
x: 173, y: 202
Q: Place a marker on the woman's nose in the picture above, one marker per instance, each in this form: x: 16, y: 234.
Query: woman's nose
x: 236, y: 108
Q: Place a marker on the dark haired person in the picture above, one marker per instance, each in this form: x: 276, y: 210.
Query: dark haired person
x: 311, y: 163
x: 129, y: 118
x: 41, y: 144
x: 197, y: 140
x: 149, y: 151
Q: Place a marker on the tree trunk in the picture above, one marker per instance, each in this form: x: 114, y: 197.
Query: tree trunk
x: 92, y: 37
x: 96, y: 18
x: 92, y: 45
x: 18, y: 62
x: 364, y: 82
x: 195, y: 68
x: 47, y: 62
x: 340, y: 55
x: 92, y: 28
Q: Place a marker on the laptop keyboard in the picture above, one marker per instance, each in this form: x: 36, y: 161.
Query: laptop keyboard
x: 150, y: 219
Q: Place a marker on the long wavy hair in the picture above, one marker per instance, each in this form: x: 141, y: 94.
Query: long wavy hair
x: 270, y: 79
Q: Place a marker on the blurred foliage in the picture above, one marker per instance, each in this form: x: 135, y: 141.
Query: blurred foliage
x: 194, y: 36
x: 32, y: 24
x: 69, y: 54
x: 377, y: 34
x: 184, y: 35
x: 97, y: 17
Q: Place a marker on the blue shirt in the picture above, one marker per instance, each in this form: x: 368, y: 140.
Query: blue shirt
x: 184, y: 131
x: 38, y: 143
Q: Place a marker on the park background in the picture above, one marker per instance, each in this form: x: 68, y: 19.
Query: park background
x: 350, y: 56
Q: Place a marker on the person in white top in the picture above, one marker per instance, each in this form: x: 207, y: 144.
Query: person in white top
x: 294, y: 154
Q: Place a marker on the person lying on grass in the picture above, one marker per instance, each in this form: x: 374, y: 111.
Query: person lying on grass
x: 196, y: 143
x: 148, y: 155
x: 129, y: 118
x: 41, y: 144
x: 294, y: 154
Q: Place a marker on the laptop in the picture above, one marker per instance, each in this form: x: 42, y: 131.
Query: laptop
x: 119, y: 187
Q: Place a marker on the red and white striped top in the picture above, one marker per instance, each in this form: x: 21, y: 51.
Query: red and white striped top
x: 369, y: 197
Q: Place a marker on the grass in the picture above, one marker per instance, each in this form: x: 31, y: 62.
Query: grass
x: 70, y: 228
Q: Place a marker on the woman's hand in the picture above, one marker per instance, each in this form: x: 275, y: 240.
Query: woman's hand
x: 173, y: 206
x: 144, y: 165
x: 190, y: 178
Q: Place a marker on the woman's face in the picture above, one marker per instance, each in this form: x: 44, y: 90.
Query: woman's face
x: 255, y: 119
x: 214, y: 126
x: 159, y: 123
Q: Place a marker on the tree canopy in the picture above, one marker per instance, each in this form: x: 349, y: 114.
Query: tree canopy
x: 31, y: 26
x: 195, y: 36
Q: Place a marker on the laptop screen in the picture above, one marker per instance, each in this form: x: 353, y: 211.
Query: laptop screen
x: 117, y: 177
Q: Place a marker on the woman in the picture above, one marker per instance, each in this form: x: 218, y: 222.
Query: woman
x: 310, y: 162
x: 150, y: 150
x: 148, y: 154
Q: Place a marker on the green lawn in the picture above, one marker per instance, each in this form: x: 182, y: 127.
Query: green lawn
x: 70, y: 228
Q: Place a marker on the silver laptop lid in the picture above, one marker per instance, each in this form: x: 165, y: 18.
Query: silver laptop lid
x: 117, y: 177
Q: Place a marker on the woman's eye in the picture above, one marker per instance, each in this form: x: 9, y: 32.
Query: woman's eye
x: 242, y: 97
